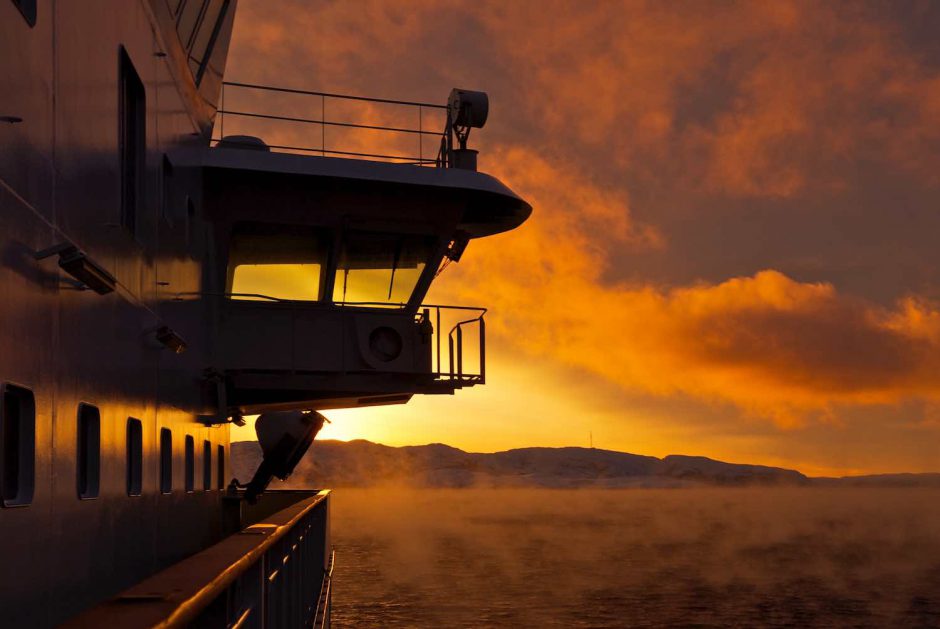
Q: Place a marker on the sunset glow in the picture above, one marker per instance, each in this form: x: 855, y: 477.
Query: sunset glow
x: 733, y: 250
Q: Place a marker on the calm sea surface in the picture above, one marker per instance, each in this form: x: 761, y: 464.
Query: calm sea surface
x: 637, y: 558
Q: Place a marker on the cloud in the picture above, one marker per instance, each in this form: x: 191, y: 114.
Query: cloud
x: 751, y: 100
x: 744, y: 99
x: 707, y: 180
x: 771, y: 345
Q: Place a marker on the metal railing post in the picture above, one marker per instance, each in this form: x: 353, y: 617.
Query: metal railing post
x: 460, y: 352
x: 437, y: 332
x: 222, y: 114
x: 482, y: 350
x: 450, y: 343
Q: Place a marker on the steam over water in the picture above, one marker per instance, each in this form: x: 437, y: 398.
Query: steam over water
x: 808, y: 557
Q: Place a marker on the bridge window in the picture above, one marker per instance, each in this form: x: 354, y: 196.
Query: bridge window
x: 89, y: 451
x: 135, y: 457
x: 206, y: 465
x: 17, y: 445
x: 198, y: 23
x: 380, y: 269
x: 279, y: 261
x: 166, y: 461
x: 28, y: 10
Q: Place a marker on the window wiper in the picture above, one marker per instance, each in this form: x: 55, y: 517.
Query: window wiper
x: 395, y: 262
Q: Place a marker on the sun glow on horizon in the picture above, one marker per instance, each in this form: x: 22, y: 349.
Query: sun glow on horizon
x: 726, y: 259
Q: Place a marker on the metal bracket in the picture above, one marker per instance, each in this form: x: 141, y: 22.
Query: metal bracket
x: 76, y: 263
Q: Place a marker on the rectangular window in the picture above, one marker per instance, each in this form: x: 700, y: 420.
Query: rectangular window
x: 187, y: 18
x: 89, y: 451
x: 220, y: 463
x: 206, y: 465
x: 166, y: 461
x: 380, y: 269
x: 166, y: 197
x: 198, y: 23
x: 190, y: 456
x: 279, y: 261
x: 18, y: 447
x: 135, y: 457
x: 133, y: 141
x: 205, y: 36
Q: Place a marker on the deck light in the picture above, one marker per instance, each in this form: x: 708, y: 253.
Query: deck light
x: 285, y: 437
x: 170, y: 339
x: 76, y: 263
x: 466, y: 110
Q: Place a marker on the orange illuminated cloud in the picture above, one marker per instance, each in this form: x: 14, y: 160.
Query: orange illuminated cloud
x: 734, y: 202
x: 767, y: 343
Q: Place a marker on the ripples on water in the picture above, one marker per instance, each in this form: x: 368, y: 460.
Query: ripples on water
x: 637, y: 558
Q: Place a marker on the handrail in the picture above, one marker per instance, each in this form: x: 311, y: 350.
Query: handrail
x: 456, y: 356
x: 189, y: 610
x: 159, y: 601
x: 323, y: 603
x: 289, y: 90
x: 455, y: 339
x: 326, y: 122
x: 405, y: 158
x: 438, y: 159
x: 342, y: 304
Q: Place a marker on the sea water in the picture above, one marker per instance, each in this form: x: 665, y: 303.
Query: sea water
x: 787, y: 557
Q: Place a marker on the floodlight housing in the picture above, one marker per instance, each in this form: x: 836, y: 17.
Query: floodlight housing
x: 468, y: 108
x: 171, y: 340
x: 284, y: 437
x: 76, y: 263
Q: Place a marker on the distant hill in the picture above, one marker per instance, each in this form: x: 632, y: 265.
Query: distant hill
x: 883, y: 480
x: 363, y: 464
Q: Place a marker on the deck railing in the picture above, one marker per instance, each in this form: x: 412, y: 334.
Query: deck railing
x: 456, y: 323
x: 329, y: 124
x: 458, y: 332
x: 273, y: 574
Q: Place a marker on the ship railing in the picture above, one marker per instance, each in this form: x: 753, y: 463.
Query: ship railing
x: 460, y: 360
x: 272, y: 574
x: 321, y: 619
x: 334, y: 125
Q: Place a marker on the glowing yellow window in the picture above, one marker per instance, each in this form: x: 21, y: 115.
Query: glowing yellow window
x: 276, y: 262
x: 281, y: 281
x: 380, y: 269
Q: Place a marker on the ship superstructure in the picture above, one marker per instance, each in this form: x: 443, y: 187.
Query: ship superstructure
x: 172, y: 263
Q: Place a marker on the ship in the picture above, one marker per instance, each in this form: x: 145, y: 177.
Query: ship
x: 178, y: 255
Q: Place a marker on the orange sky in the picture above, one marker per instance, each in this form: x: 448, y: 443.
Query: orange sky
x: 737, y: 206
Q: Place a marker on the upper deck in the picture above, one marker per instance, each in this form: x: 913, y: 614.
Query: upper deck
x: 295, y: 147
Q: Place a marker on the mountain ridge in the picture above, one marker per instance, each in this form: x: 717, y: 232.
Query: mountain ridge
x: 362, y: 463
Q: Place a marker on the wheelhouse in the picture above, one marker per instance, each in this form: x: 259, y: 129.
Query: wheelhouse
x: 320, y: 268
